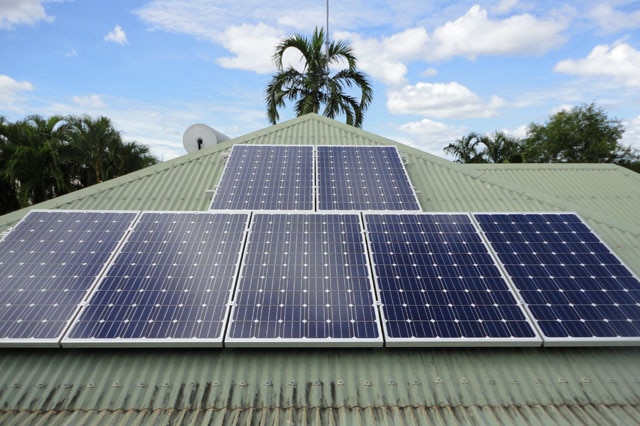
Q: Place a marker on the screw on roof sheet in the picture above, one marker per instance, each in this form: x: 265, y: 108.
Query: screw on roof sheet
x: 562, y: 380
x: 115, y: 384
x: 15, y: 385
x: 215, y: 383
x: 366, y: 383
x: 391, y: 383
x: 464, y: 381
x: 41, y: 385
x: 585, y: 380
x: 91, y: 385
x: 515, y: 382
x: 611, y: 380
x: 340, y: 382
x: 317, y: 383
x: 491, y: 382
x: 193, y: 384
x: 242, y: 383
x: 292, y: 383
x: 415, y: 383
x: 538, y: 381
x: 438, y: 380
x: 66, y: 385
x: 268, y: 383
x: 142, y: 385
x: 166, y: 385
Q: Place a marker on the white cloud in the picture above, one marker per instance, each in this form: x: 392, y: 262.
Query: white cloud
x: 18, y: 12
x: 431, y: 136
x: 475, y: 34
x: 505, y: 6
x: 441, y: 100
x: 252, y: 46
x: 631, y: 135
x: 620, y: 62
x: 9, y: 88
x: 429, y: 72
x: 117, y: 35
x: 612, y: 20
x: 71, y: 53
x: 89, y: 102
x: 384, y: 59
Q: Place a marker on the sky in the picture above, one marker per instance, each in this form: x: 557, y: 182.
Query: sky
x: 440, y: 69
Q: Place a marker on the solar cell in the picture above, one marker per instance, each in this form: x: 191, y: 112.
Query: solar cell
x: 267, y: 177
x: 305, y: 280
x: 169, y: 285
x: 438, y: 284
x: 363, y: 178
x: 577, y: 290
x: 48, y: 265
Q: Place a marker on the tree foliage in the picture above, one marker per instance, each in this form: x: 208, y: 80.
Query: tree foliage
x: 42, y: 158
x: 494, y: 148
x: 315, y: 88
x: 584, y: 134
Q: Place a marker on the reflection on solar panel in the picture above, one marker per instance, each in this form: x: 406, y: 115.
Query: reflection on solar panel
x: 267, y: 177
x: 363, y: 178
x: 304, y: 281
x: 439, y: 285
x: 48, y: 264
x: 169, y: 285
x: 577, y: 290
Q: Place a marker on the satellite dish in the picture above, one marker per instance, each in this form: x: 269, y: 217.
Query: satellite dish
x: 200, y: 136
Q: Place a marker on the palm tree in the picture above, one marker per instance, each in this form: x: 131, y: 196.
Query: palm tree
x: 501, y: 148
x: 464, y: 149
x: 315, y: 87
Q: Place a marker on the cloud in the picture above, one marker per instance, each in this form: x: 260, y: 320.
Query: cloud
x: 631, y: 135
x: 252, y: 46
x: 10, y: 87
x: 475, y: 34
x: 19, y: 12
x: 505, y: 6
x: 441, y: 100
x: 117, y: 35
x: 384, y: 59
x: 431, y: 136
x: 89, y: 102
x: 620, y: 62
x: 611, y: 20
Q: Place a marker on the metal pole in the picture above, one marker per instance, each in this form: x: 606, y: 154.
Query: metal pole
x: 326, y: 42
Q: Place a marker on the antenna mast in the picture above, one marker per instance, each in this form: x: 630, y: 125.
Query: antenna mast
x: 326, y: 38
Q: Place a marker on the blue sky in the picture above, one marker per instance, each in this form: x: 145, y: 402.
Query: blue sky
x: 440, y: 68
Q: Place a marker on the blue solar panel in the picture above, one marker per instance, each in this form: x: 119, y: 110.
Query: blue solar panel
x: 169, y: 285
x: 363, y: 178
x: 48, y: 264
x: 267, y: 177
x: 439, y: 285
x: 576, y: 289
x: 305, y: 280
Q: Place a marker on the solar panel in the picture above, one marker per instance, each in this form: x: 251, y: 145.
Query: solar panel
x: 169, y: 285
x: 304, y: 281
x: 48, y: 264
x: 267, y: 177
x: 438, y: 284
x: 577, y: 290
x: 363, y: 178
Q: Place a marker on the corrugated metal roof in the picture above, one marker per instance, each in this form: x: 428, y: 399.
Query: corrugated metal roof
x: 337, y: 386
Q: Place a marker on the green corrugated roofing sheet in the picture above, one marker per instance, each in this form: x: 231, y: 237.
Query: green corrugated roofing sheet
x: 344, y: 386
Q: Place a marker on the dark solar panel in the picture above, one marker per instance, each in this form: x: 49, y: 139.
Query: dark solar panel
x: 267, y: 177
x: 169, y: 285
x: 439, y: 285
x: 363, y: 178
x: 304, y: 281
x: 48, y: 264
x: 576, y: 289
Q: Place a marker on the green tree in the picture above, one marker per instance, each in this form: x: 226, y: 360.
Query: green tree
x: 8, y: 196
x: 584, y: 134
x: 315, y: 87
x: 465, y: 149
x: 501, y: 148
x: 34, y: 164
